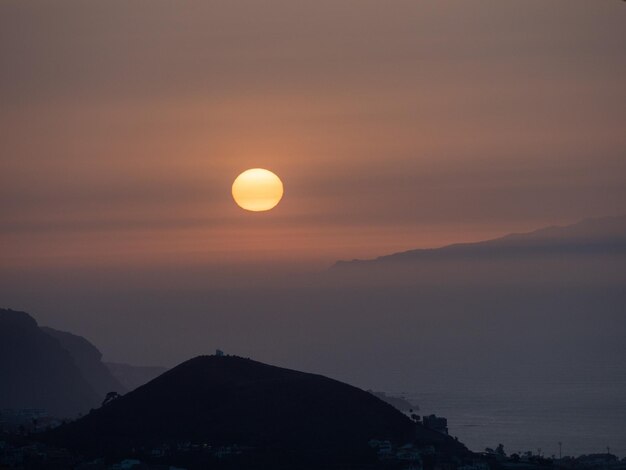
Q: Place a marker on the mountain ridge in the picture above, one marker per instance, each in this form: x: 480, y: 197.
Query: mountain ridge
x: 37, y: 372
x: 592, y: 235
x: 24, y: 342
x: 88, y: 359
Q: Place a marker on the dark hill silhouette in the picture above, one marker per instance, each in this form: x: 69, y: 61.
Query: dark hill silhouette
x: 37, y: 372
x: 131, y: 376
x: 231, y: 400
x: 89, y: 361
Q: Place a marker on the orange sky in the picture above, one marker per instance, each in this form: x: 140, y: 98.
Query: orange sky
x: 393, y: 125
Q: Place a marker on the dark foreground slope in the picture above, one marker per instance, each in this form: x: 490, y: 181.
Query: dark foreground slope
x: 37, y: 372
x: 230, y: 400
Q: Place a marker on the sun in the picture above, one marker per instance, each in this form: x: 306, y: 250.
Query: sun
x: 257, y: 190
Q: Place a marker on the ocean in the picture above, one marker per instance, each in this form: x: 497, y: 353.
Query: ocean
x: 585, y: 411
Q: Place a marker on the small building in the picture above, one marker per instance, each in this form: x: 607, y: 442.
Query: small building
x: 436, y: 423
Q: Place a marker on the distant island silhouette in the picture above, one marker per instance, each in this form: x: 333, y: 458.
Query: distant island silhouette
x: 590, y: 236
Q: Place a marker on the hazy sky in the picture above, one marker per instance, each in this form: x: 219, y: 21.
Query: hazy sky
x: 393, y: 125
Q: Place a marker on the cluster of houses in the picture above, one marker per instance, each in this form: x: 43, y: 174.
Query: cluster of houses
x: 414, y: 457
x: 387, y: 451
x: 17, y: 451
x: 219, y: 452
x: 27, y: 420
x: 33, y: 455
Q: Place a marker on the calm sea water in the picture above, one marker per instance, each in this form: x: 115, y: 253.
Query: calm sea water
x: 585, y: 411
